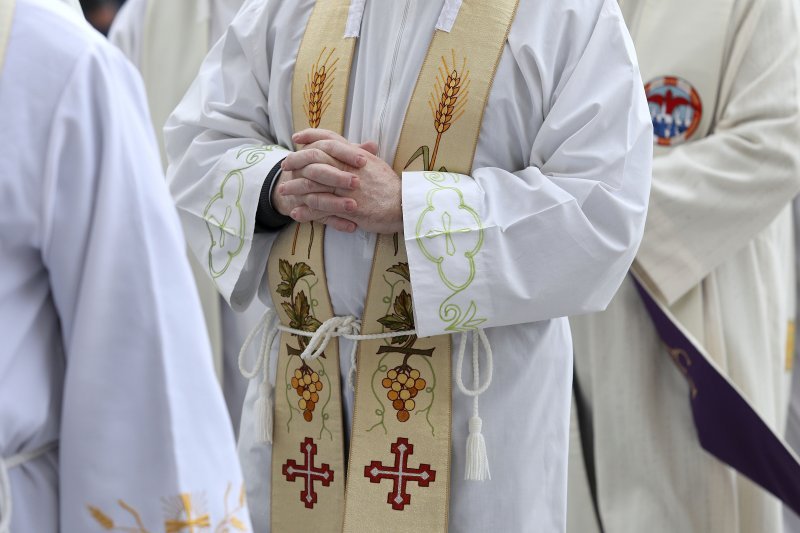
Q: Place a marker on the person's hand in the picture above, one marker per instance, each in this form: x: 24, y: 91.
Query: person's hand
x: 355, y: 185
x: 323, y: 175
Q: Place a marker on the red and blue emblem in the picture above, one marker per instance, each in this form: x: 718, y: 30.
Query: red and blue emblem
x: 675, y: 108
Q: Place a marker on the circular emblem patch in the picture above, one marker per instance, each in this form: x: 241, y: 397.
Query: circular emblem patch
x: 675, y: 108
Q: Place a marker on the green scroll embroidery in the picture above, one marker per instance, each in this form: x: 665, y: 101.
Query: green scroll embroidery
x: 224, y: 215
x: 436, y: 226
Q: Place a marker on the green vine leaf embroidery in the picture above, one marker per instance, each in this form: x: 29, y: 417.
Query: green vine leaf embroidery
x: 290, y: 275
x: 299, y: 312
x: 402, y: 319
x: 401, y: 269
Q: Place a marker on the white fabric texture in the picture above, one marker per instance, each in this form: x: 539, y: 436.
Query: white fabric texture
x: 448, y: 15
x: 715, y: 246
x: 560, y: 180
x: 354, y: 17
x: 232, y: 327
x: 98, y: 316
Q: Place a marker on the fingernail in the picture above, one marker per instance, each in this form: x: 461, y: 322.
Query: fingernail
x: 295, y: 136
x: 354, y: 182
x: 361, y: 161
x: 350, y: 206
x: 294, y: 213
x: 280, y: 189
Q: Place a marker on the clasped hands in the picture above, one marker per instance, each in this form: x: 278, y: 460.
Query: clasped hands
x: 335, y: 182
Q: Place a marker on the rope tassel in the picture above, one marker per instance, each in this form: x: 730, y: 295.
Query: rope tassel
x: 263, y: 406
x: 263, y: 414
x: 477, y: 462
x: 477, y: 467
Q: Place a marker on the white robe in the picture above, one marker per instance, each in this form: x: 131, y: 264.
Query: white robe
x: 560, y: 180
x: 716, y: 245
x: 229, y: 329
x: 98, y: 316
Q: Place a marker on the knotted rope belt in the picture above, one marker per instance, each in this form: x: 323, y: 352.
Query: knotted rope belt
x: 349, y: 327
x: 5, y: 483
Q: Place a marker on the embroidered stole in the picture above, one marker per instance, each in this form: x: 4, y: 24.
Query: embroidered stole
x: 400, y: 447
x: 727, y: 425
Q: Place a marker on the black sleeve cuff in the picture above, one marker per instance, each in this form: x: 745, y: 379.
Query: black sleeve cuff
x: 267, y: 218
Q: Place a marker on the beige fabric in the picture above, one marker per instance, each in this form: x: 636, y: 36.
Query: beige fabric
x: 168, y: 71
x: 442, y: 124
x: 307, y: 394
x: 311, y: 417
x: 6, y: 18
x: 715, y: 247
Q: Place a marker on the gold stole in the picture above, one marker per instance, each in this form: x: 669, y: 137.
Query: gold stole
x: 6, y: 19
x: 400, y: 447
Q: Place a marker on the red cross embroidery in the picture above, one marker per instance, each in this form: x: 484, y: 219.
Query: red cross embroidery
x: 400, y: 474
x: 308, y: 472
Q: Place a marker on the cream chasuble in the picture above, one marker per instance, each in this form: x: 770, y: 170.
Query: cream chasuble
x: 713, y: 251
x: 402, y: 419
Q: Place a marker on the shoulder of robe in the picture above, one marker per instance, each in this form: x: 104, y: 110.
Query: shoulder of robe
x: 555, y: 26
x: 51, y: 38
x: 54, y: 41
x: 552, y: 35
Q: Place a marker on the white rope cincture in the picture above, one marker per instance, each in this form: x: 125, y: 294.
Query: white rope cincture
x: 477, y: 461
x: 263, y: 406
x: 348, y: 327
x: 6, y: 502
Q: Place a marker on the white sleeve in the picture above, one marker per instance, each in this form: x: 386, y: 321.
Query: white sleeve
x: 712, y: 196
x: 220, y: 151
x: 511, y: 246
x: 128, y: 28
x: 144, y: 432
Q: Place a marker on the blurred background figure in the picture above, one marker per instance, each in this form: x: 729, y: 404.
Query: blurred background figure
x: 792, y: 521
x: 167, y: 40
x: 101, y: 13
x: 721, y: 81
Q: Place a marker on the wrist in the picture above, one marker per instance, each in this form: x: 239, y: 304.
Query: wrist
x: 268, y: 218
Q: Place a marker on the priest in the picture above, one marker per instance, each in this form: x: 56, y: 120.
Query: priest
x: 408, y: 185
x: 723, y: 98
x: 110, y: 419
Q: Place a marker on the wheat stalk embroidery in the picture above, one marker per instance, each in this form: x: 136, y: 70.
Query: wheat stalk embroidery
x: 318, y: 87
x: 447, y: 102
